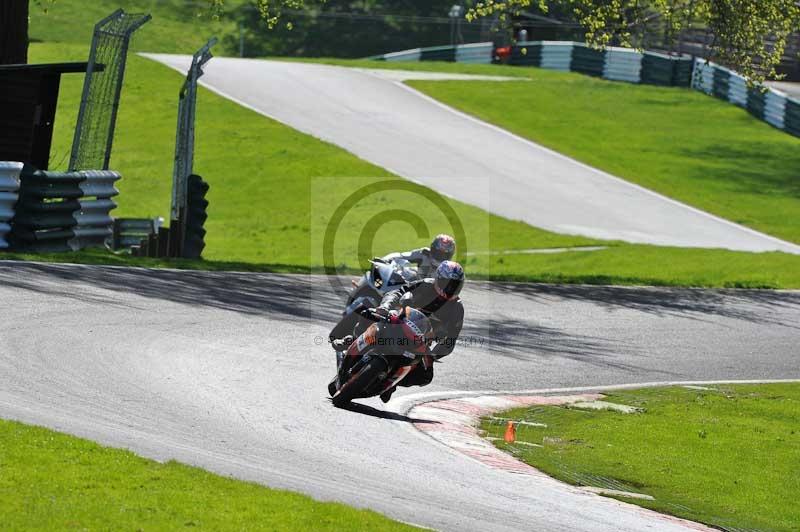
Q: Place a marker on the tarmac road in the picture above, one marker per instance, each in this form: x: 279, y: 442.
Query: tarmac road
x: 226, y: 371
x: 372, y: 114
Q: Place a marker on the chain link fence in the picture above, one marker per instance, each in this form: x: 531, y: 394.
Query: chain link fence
x: 94, y: 132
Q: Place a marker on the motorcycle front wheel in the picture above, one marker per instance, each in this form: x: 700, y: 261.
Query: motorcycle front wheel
x: 359, y: 382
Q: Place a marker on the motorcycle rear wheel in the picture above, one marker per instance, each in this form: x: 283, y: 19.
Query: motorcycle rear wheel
x: 359, y: 382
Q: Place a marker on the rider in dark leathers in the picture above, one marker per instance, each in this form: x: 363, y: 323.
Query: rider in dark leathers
x: 437, y: 297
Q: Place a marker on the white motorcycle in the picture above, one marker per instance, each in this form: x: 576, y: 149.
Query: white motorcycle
x: 381, y: 278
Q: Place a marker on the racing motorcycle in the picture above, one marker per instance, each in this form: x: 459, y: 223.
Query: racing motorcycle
x: 384, y: 276
x: 383, y: 355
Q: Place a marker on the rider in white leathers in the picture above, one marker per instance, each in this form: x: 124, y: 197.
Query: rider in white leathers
x: 427, y: 260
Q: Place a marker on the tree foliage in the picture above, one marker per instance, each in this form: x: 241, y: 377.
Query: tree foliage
x: 271, y: 11
x: 349, y: 28
x: 749, y: 35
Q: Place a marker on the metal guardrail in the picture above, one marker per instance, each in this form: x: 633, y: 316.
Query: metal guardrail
x: 129, y: 232
x: 9, y: 186
x: 64, y: 211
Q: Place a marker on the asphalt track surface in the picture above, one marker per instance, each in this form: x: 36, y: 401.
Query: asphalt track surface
x: 225, y: 371
x: 372, y: 114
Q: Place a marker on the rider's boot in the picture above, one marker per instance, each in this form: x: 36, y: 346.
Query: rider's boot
x: 385, y: 396
x: 341, y: 344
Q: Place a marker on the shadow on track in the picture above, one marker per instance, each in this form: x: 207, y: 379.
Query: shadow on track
x: 248, y: 293
x: 755, y: 306
x: 383, y: 414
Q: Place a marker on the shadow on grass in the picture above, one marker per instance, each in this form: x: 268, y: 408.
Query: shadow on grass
x: 744, y: 166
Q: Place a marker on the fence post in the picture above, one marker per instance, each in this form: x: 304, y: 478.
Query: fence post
x: 184, y: 145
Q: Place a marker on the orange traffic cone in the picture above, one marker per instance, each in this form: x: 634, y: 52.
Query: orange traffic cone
x: 511, y: 433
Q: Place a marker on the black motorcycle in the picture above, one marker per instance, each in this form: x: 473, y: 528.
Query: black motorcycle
x: 383, y: 355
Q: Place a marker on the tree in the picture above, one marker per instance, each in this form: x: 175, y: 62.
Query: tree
x: 348, y: 28
x: 749, y: 35
x: 13, y: 31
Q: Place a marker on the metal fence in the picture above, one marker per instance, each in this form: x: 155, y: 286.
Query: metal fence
x: 94, y: 132
x: 63, y: 211
x: 184, y: 136
x: 9, y: 186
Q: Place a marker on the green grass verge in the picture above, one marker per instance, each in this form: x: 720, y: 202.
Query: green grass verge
x: 177, y: 26
x: 681, y: 143
x: 273, y: 189
x: 725, y: 456
x: 52, y: 481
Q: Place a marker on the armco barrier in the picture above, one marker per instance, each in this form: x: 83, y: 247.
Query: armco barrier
x: 9, y: 185
x: 128, y: 232
x: 61, y: 211
x: 625, y: 64
x: 768, y: 105
x: 477, y: 53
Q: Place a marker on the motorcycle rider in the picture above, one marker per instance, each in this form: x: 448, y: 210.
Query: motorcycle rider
x: 427, y: 260
x: 438, y: 298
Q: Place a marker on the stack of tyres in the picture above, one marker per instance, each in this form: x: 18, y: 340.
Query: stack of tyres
x: 526, y: 54
x: 623, y: 64
x: 556, y: 55
x: 9, y: 186
x: 438, y: 53
x: 721, y: 87
x: 587, y: 60
x: 775, y: 109
x: 64, y: 211
x: 791, y: 117
x: 476, y: 53
x: 196, y: 216
x: 756, y: 102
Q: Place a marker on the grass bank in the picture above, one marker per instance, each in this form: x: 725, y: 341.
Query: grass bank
x: 52, y: 481
x: 177, y: 26
x: 681, y: 143
x: 273, y: 190
x: 726, y: 455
